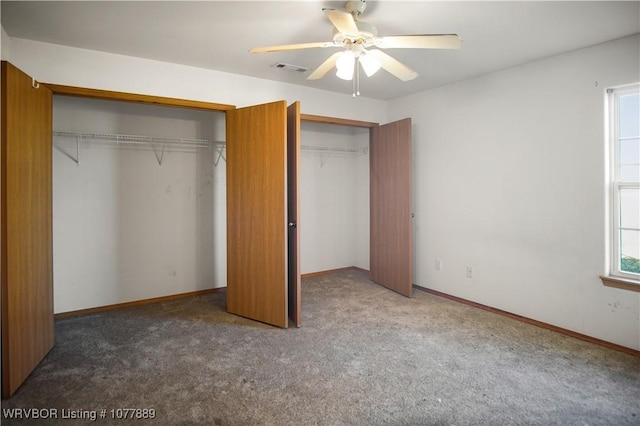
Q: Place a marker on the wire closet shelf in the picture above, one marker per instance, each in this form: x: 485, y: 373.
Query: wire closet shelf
x: 157, y: 144
x: 160, y: 144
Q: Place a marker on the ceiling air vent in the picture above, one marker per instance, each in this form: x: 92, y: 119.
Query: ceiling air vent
x: 289, y: 67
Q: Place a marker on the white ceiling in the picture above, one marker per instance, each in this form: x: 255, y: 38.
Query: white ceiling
x: 217, y: 34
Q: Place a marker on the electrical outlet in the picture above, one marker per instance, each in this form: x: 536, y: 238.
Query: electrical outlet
x: 438, y: 265
x: 469, y: 272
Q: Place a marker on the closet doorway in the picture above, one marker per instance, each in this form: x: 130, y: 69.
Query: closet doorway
x: 334, y: 181
x: 390, y: 200
x: 26, y: 213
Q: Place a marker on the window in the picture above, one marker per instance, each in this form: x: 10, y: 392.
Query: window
x: 624, y: 141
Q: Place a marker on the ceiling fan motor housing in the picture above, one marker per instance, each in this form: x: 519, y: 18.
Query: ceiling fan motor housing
x: 366, y: 34
x: 355, y: 7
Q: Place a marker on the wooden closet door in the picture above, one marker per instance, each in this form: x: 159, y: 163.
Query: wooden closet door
x: 26, y: 215
x: 293, y: 212
x: 391, y: 206
x: 257, y: 213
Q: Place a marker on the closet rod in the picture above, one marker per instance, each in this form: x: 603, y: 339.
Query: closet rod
x: 158, y: 144
x: 155, y: 142
x: 333, y: 149
x: 137, y: 139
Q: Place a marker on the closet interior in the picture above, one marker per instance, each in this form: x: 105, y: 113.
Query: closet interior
x: 139, y: 200
x: 334, y: 195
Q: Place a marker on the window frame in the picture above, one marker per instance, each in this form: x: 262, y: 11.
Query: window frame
x: 616, y: 185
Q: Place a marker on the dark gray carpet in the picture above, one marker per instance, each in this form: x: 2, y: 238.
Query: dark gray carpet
x: 364, y: 356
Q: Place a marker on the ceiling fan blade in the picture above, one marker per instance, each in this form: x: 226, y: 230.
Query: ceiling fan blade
x: 292, y: 47
x: 319, y: 72
x: 343, y: 21
x: 394, y: 66
x: 421, y: 41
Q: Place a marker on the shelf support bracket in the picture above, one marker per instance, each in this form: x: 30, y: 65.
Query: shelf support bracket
x: 77, y: 159
x: 68, y: 152
x: 220, y: 150
x: 158, y: 152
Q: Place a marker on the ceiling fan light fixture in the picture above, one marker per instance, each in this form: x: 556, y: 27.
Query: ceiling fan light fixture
x: 361, y: 45
x: 370, y: 65
x: 345, y: 65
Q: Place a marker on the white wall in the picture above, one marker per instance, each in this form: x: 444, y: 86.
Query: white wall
x: 510, y: 179
x: 4, y: 43
x: 70, y: 66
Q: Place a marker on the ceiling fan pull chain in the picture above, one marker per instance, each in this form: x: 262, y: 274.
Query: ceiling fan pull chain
x: 358, y: 76
x: 353, y: 81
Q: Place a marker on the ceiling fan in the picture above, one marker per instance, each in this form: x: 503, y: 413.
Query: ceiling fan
x: 361, y: 46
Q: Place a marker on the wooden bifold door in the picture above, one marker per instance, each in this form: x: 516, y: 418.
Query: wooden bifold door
x: 391, y: 239
x: 26, y: 243
x: 263, y: 277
